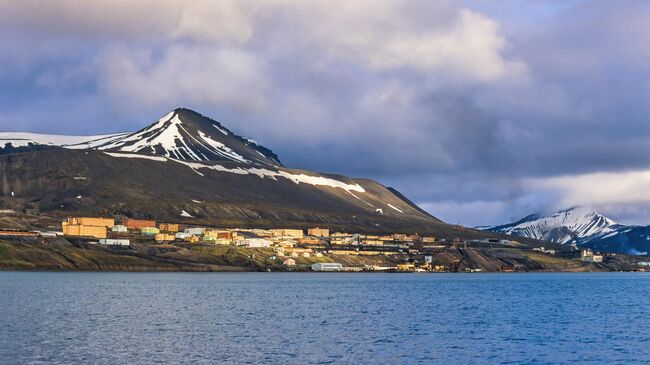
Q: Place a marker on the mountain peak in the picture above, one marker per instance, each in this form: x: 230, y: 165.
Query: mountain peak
x: 184, y: 134
x: 563, y: 226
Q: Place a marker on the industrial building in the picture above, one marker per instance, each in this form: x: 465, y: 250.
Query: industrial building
x: 327, y: 266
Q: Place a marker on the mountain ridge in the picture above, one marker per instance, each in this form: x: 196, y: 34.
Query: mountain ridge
x: 182, y: 134
x: 581, y: 227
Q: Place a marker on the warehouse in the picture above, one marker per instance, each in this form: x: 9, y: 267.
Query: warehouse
x: 114, y: 242
x: 327, y: 266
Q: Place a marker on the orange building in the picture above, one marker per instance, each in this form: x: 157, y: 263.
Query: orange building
x: 162, y: 237
x: 138, y: 223
x: 169, y: 227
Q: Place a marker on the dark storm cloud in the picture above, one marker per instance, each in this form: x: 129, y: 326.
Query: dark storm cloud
x: 471, y: 110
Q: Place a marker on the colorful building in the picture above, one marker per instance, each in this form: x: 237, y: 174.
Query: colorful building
x: 169, y: 227
x: 149, y: 231
x: 138, y: 223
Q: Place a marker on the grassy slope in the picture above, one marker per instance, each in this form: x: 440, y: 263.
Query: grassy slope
x: 33, y: 254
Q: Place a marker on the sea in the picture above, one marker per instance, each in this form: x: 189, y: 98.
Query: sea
x: 324, y: 318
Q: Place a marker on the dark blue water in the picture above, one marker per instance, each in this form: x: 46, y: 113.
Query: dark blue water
x: 127, y: 318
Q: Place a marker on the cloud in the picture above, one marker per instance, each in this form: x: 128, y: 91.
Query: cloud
x: 183, y: 75
x: 157, y: 20
x: 480, y: 110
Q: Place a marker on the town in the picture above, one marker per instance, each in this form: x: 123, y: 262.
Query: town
x: 313, y: 249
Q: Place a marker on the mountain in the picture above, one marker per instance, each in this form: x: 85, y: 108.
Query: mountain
x: 188, y: 168
x: 181, y: 134
x: 582, y: 227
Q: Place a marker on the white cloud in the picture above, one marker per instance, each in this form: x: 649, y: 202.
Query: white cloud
x: 216, y: 21
x: 184, y: 74
x: 599, y: 188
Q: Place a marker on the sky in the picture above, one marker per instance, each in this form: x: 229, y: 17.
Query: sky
x: 480, y: 111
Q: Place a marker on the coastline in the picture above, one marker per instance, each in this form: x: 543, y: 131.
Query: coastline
x: 62, y: 255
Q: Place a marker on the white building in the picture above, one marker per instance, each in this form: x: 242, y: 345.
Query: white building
x: 254, y: 242
x: 119, y: 228
x: 327, y: 266
x: 289, y: 262
x: 195, y: 231
x: 114, y: 242
x: 183, y: 235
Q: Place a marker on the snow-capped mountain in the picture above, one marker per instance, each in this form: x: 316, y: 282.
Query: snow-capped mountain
x: 191, y: 168
x: 582, y: 227
x: 181, y: 134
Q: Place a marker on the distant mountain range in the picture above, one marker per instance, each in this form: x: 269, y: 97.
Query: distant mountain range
x: 186, y: 167
x: 581, y: 227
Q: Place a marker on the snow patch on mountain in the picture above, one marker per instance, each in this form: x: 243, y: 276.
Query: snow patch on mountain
x: 395, y: 208
x: 563, y: 227
x: 21, y: 139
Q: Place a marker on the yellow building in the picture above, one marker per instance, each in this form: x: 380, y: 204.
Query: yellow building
x: 83, y: 231
x: 89, y: 221
x: 164, y: 237
x: 169, y: 227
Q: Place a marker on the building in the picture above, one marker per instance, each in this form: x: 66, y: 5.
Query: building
x: 119, y: 229
x: 588, y: 256
x: 288, y: 233
x: 218, y: 234
x: 114, y: 242
x: 89, y: 221
x: 254, y: 242
x: 169, y: 227
x: 196, y: 231
x: 164, y: 237
x: 289, y: 262
x: 309, y: 241
x: 94, y: 227
x: 327, y: 266
x: 182, y: 235
x: 318, y: 232
x: 138, y: 223
x: 149, y: 231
